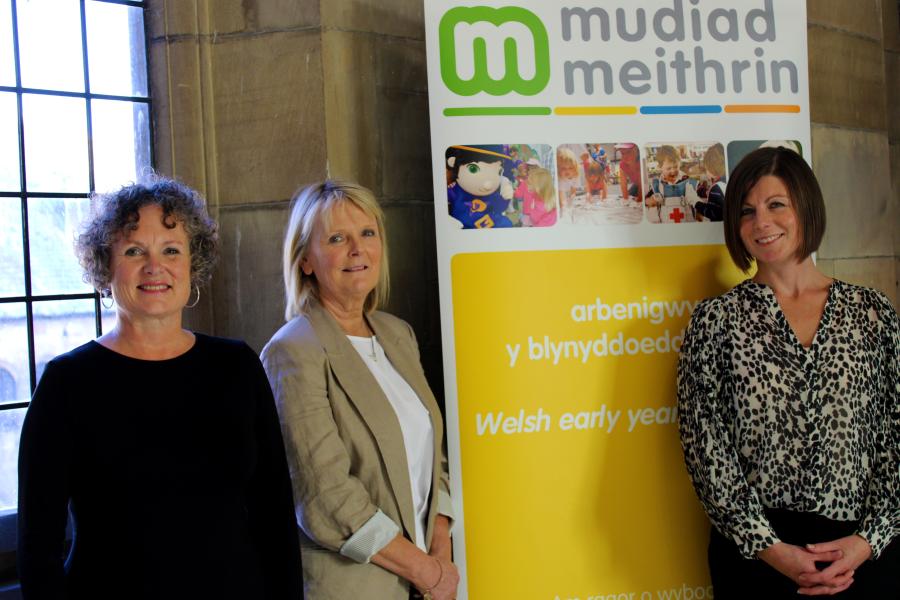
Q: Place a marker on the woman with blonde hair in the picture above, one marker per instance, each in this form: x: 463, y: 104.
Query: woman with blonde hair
x: 362, y: 430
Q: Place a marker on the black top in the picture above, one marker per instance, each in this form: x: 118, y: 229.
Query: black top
x: 175, y: 471
x: 768, y: 423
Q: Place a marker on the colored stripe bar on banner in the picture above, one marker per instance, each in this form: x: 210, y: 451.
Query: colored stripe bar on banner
x: 595, y: 110
x: 681, y: 110
x: 762, y: 108
x: 497, y: 111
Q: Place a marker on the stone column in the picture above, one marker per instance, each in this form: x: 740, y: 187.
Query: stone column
x: 854, y: 107
x: 891, y: 31
x: 253, y: 98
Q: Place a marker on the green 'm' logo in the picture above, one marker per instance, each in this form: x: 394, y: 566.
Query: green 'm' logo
x: 481, y: 80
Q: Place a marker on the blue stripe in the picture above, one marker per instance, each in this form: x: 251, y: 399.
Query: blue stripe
x: 681, y: 110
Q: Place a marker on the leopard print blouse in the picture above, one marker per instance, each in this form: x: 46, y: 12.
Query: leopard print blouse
x: 765, y: 422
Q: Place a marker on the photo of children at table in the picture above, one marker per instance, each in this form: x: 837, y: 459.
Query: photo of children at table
x: 678, y: 180
x: 592, y: 188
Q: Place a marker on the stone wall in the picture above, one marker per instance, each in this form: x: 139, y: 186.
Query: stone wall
x: 854, y: 68
x: 254, y: 97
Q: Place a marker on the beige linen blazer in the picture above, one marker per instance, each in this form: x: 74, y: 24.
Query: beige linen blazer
x: 345, y: 447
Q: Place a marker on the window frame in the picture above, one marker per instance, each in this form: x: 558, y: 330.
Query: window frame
x: 29, y: 298
x: 8, y: 517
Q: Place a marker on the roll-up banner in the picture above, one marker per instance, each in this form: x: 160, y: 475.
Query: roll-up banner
x: 580, y: 152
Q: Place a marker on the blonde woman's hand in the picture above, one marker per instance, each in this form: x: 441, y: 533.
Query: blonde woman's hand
x: 436, y: 577
x: 447, y: 587
x: 441, y: 583
x: 441, y: 546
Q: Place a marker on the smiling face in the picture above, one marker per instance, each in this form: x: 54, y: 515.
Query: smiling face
x: 567, y: 170
x: 669, y: 170
x: 769, y: 226
x: 480, y: 178
x: 345, y: 255
x: 151, y: 268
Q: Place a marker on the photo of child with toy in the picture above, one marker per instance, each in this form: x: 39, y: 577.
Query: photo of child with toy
x: 599, y: 183
x: 500, y: 185
x: 685, y: 182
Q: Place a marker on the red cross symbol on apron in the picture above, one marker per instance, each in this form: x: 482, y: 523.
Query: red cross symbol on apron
x: 676, y: 215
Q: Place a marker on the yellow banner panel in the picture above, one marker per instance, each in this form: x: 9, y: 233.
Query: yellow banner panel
x: 573, y: 481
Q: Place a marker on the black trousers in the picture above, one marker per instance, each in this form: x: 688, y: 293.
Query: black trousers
x: 737, y: 578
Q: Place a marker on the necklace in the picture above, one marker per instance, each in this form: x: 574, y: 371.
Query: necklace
x: 373, y: 354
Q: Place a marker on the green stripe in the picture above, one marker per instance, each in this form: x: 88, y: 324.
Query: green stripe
x: 497, y: 111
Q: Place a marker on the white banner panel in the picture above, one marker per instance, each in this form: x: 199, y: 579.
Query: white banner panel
x: 580, y: 155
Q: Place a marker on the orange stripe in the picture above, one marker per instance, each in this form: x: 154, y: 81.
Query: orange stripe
x: 762, y: 108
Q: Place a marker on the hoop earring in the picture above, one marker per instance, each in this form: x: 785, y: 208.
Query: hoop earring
x: 194, y: 303
x: 106, y: 295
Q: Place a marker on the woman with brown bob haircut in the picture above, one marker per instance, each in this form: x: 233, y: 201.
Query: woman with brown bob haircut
x: 801, y: 185
x: 789, y: 403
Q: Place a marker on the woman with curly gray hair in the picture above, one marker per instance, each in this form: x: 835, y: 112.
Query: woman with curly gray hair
x: 164, y: 443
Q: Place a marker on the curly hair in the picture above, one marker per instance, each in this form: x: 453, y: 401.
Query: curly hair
x: 117, y: 212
